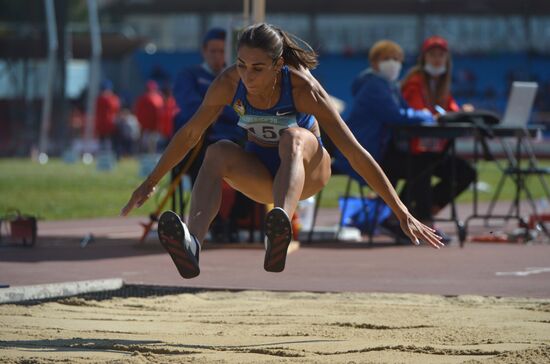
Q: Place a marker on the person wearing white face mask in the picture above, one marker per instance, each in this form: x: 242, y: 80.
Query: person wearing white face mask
x: 377, y: 106
x: 390, y: 69
x: 427, y: 87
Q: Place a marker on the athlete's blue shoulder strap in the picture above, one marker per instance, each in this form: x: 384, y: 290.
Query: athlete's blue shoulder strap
x: 286, y: 94
x: 240, y: 93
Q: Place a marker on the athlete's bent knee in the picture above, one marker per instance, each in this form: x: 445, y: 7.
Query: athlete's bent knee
x: 219, y: 148
x: 291, y: 142
x: 216, y: 153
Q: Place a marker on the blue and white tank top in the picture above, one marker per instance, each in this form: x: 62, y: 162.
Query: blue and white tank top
x: 266, y: 125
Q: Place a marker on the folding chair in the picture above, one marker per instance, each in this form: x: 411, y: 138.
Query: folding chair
x: 519, y: 173
x: 174, y: 184
x: 337, y: 170
x: 347, y: 194
x: 516, y: 117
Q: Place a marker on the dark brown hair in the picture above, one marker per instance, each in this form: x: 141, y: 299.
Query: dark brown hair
x: 278, y: 43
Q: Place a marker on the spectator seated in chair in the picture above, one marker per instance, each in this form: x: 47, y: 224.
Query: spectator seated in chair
x: 427, y: 87
x: 378, y: 105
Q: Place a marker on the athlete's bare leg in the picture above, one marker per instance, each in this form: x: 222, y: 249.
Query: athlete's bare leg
x: 304, y: 169
x: 242, y: 170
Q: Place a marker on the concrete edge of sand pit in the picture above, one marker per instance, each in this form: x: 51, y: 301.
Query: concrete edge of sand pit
x: 55, y: 290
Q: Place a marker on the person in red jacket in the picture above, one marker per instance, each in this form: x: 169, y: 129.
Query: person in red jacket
x: 427, y: 86
x: 149, y: 111
x: 169, y: 111
x: 107, y: 108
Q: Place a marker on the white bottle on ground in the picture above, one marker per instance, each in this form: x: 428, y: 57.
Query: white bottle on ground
x: 306, y: 210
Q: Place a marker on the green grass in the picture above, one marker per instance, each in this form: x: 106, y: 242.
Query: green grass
x: 66, y: 191
x: 488, y: 173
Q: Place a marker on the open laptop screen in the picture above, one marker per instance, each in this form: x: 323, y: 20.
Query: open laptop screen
x: 520, y: 103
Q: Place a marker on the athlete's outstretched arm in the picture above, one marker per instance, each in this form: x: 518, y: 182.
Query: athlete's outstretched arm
x: 184, y: 140
x: 311, y: 98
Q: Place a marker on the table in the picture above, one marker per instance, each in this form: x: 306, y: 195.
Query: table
x: 480, y: 133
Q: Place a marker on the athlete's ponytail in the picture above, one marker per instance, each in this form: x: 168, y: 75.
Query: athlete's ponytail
x: 277, y: 43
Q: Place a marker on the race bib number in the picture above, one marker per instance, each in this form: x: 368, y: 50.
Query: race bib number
x: 267, y: 128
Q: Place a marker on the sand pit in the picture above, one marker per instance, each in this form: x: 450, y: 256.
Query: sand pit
x: 269, y: 327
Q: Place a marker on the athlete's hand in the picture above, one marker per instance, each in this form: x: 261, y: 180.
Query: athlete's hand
x: 417, y: 232
x: 140, y: 195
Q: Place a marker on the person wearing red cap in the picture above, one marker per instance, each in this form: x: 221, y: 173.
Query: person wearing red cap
x: 427, y: 86
x: 149, y: 111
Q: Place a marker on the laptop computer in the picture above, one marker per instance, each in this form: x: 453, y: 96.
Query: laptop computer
x: 520, y: 103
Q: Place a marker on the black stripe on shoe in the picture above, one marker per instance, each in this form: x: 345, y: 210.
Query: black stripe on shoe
x: 176, y: 239
x: 278, y: 231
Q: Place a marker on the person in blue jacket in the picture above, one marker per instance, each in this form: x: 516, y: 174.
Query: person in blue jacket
x: 190, y: 89
x: 377, y: 106
x: 282, y: 107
